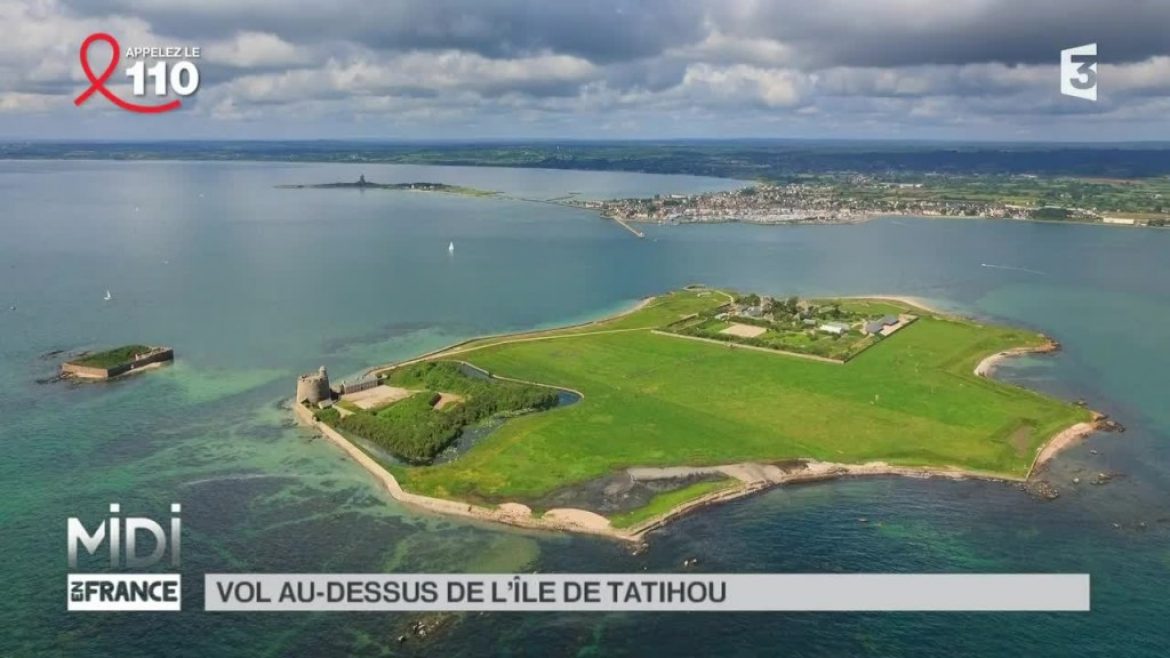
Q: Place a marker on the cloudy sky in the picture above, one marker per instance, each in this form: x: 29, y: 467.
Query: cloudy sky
x: 433, y: 69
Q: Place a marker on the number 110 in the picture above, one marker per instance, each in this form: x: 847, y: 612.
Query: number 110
x: 183, y: 87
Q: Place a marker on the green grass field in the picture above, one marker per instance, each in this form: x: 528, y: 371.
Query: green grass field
x: 660, y: 400
x: 111, y: 358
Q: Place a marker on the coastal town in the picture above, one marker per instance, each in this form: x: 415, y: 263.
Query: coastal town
x: 851, y: 201
x: 848, y: 199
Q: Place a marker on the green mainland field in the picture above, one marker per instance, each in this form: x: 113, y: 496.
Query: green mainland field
x: 660, y: 400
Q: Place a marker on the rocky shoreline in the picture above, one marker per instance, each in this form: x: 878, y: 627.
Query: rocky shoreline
x: 753, y: 478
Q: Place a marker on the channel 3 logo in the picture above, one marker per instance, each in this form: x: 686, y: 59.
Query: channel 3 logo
x: 1078, y: 72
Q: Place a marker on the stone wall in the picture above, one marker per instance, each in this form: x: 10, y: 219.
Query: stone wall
x: 86, y: 372
x: 358, y: 385
x: 157, y: 355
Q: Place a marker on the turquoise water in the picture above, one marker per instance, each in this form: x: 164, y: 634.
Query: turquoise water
x: 252, y: 285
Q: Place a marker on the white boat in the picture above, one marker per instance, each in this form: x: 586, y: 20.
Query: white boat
x: 108, y: 296
x: 451, y: 248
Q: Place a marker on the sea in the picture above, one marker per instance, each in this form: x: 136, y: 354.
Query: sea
x: 252, y: 285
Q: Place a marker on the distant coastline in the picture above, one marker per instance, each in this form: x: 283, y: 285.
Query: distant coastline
x: 801, y: 181
x: 363, y: 184
x: 845, y: 200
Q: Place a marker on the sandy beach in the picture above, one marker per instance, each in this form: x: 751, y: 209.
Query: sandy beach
x: 1066, y: 439
x: 986, y: 367
x: 902, y: 299
x: 515, y: 514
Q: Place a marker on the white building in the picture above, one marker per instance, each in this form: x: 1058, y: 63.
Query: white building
x: 835, y: 328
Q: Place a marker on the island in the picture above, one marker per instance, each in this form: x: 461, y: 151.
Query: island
x: 362, y: 184
x: 116, y: 362
x: 616, y: 426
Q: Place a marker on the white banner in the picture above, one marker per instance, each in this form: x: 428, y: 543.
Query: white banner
x: 646, y: 592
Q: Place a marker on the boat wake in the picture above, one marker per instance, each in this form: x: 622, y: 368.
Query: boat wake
x: 1013, y: 268
x: 234, y: 478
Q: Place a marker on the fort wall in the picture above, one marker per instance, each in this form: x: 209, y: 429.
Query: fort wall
x: 155, y: 356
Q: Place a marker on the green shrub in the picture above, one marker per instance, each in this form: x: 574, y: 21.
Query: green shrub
x: 114, y: 357
x: 412, y: 430
x: 328, y: 415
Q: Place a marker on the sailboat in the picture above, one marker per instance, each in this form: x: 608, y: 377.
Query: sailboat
x: 451, y: 248
x: 108, y: 296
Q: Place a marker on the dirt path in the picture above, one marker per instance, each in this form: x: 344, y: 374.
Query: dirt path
x: 447, y: 398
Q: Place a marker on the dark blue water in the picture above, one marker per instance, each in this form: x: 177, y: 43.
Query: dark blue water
x: 253, y: 285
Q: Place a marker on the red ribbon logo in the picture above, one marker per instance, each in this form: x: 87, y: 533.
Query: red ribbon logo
x: 98, y: 83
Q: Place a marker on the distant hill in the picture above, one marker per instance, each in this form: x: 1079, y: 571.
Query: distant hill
x: 746, y: 159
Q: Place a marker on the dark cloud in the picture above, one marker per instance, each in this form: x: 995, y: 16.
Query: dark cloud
x: 864, y: 33
x: 829, y: 32
x: 598, y: 30
x: 691, y: 67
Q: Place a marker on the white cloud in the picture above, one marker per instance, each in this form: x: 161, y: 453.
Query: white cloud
x: 254, y: 50
x: 719, y: 47
x: 742, y: 82
x: 745, y: 62
x: 27, y: 103
x: 1150, y: 76
x: 41, y: 43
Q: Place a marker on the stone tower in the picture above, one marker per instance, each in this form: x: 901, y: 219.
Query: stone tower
x: 313, y: 387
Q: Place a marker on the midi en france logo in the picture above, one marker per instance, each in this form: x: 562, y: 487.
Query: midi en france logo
x: 135, y: 544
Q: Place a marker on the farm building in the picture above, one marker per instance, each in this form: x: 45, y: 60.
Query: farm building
x: 835, y: 328
x: 359, y: 384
